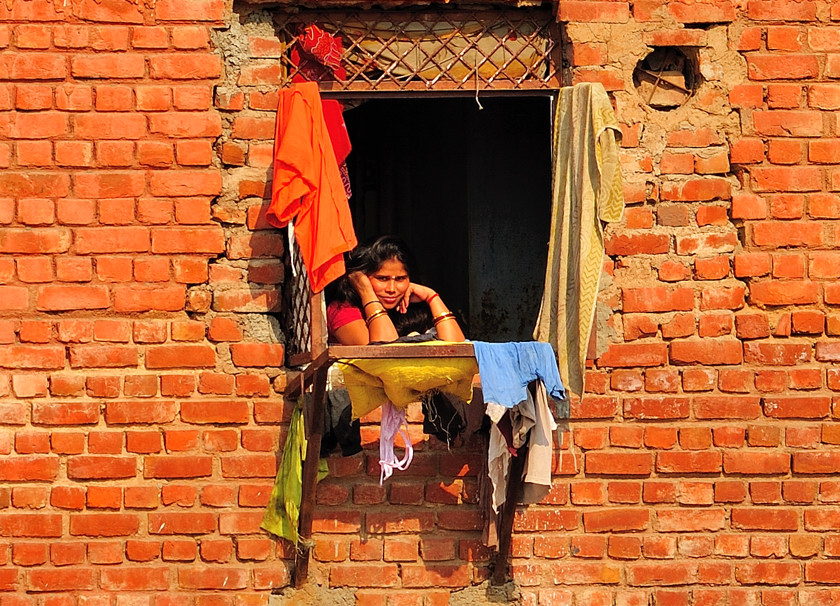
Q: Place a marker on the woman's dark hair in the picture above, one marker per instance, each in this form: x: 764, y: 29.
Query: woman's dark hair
x: 368, y: 258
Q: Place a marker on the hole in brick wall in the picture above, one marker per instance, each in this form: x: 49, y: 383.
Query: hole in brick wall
x: 666, y: 78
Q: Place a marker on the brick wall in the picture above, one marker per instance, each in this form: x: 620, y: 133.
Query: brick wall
x: 139, y: 356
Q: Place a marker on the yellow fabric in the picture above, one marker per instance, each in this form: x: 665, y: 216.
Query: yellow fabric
x: 283, y: 510
x: 586, y: 191
x: 372, y: 382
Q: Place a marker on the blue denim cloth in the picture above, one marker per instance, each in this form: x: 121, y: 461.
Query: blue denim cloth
x: 507, y: 368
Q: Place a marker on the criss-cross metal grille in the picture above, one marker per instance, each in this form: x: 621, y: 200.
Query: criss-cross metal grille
x: 298, y: 304
x: 441, y: 50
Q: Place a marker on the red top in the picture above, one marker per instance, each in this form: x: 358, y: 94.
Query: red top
x: 341, y: 313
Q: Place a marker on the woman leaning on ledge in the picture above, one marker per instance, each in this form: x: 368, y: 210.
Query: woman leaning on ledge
x: 376, y: 301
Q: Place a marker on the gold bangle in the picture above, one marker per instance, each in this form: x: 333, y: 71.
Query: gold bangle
x: 374, y: 315
x: 371, y: 303
x: 444, y: 316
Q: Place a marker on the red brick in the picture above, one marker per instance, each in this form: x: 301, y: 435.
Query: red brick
x: 151, y: 269
x: 255, y: 246
x: 224, y: 329
x: 681, y: 325
x: 152, y: 579
x: 735, y: 380
x: 249, y: 466
x: 65, y: 413
x: 85, y: 467
x: 687, y: 520
x: 30, y: 442
x: 142, y: 497
x: 257, y: 354
x: 588, y: 11
x: 774, y: 67
x: 661, y: 574
x: 157, y: 154
x: 712, y: 215
x: 824, y: 96
x: 114, y: 269
x: 783, y: 178
x: 712, y: 163
x: 616, y: 520
x: 186, y: 124
x: 14, y: 298
x: 180, y: 356
x: 189, y: 271
x: 779, y: 520
x: 104, y: 524
x: 788, y: 292
x: 676, y: 163
x: 633, y: 464
x: 657, y: 299
x: 177, y: 385
x: 722, y: 298
x: 711, y: 352
x: 61, y: 579
x: 31, y: 269
x: 103, y: 356
x: 748, y: 151
x: 215, y: 383
x: 143, y: 442
x: 769, y: 10
x: 727, y: 407
x: 171, y: 466
x: 232, y: 154
x: 776, y: 354
x: 28, y: 468
x: 214, y: 412
x: 138, y: 297
x: 32, y: 357
x: 182, y: 523
x: 191, y: 10
x: 188, y: 183
x: 694, y: 137
x: 774, y: 573
x: 756, y: 463
x: 187, y: 240
x: 111, y: 240
x: 786, y: 234
x: 67, y: 443
x: 697, y: 190
x: 637, y: 244
x: 187, y: 330
x: 688, y: 462
x: 139, y: 412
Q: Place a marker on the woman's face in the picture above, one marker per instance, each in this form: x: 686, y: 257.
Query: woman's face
x: 390, y: 282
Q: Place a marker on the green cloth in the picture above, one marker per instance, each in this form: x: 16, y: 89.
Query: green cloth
x: 283, y: 510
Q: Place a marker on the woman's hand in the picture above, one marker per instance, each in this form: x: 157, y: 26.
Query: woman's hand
x: 416, y: 293
x: 361, y: 282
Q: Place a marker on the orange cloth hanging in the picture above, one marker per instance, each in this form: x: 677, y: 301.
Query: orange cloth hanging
x: 307, y: 185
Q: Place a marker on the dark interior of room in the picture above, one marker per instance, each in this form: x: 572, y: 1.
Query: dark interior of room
x: 469, y: 190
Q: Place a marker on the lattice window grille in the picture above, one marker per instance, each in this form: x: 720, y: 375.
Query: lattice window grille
x: 299, y: 337
x: 439, y: 51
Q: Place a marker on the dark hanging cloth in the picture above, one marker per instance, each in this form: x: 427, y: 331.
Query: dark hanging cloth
x: 339, y: 428
x: 441, y: 418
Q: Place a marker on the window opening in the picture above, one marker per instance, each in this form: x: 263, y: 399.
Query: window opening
x: 469, y: 191
x: 488, y: 170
